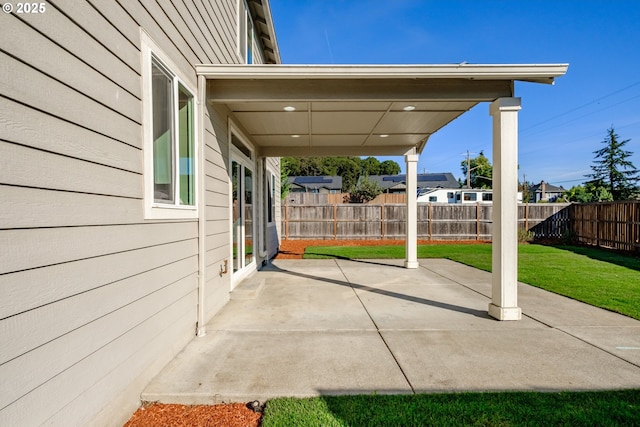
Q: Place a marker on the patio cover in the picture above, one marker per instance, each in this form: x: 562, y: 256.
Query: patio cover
x: 357, y: 109
x: 385, y: 110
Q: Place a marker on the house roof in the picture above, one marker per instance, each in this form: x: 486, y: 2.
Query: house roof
x: 319, y: 110
x: 425, y: 180
x: 548, y: 188
x: 316, y: 182
x: 265, y: 31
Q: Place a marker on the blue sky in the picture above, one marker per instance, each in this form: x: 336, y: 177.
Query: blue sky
x: 560, y: 125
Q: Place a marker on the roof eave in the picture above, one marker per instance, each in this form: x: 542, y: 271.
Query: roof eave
x: 537, y: 73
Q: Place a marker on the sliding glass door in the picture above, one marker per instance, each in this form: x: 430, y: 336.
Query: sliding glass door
x: 242, y: 183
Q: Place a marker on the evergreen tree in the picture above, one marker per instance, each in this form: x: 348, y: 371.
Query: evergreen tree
x: 612, y: 169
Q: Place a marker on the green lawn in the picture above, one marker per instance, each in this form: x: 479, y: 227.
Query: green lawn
x: 597, y: 277
x: 604, y: 408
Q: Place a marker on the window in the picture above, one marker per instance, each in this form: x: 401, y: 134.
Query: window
x: 433, y: 198
x: 245, y: 33
x: 450, y: 195
x: 470, y: 197
x: 487, y: 197
x: 271, y: 197
x: 169, y: 138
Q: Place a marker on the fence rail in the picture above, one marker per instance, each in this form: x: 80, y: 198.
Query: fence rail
x: 436, y: 221
x: 340, y: 198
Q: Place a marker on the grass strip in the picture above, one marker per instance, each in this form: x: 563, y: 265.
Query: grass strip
x: 601, y: 408
x: 601, y: 278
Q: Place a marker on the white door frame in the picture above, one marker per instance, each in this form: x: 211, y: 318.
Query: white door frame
x: 246, y: 162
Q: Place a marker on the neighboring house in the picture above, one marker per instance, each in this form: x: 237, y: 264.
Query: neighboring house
x: 449, y: 195
x: 398, y: 183
x: 315, y: 184
x: 140, y: 180
x: 545, y: 192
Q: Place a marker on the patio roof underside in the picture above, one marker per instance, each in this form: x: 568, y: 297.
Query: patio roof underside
x: 356, y: 110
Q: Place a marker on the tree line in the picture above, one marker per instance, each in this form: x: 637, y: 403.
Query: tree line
x: 349, y: 168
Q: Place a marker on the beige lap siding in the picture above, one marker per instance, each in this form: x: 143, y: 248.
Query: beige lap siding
x: 96, y: 299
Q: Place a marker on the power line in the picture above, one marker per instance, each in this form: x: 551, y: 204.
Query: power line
x: 586, y: 137
x: 585, y: 115
x: 582, y: 106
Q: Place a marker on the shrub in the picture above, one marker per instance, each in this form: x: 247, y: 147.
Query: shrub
x: 569, y: 237
x: 365, y: 191
x: 525, y: 236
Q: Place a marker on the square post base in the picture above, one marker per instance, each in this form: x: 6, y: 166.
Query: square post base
x: 411, y: 264
x: 505, y: 313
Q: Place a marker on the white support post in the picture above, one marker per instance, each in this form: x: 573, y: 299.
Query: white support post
x: 411, y: 160
x: 504, y: 293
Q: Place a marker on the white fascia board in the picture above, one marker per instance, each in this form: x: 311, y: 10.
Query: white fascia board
x: 266, y: 7
x: 539, y: 73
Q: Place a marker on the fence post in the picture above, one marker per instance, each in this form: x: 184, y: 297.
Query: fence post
x: 286, y: 219
x: 430, y: 221
x: 597, y: 227
x: 526, y: 216
x: 382, y: 224
x: 335, y: 222
x: 477, y: 221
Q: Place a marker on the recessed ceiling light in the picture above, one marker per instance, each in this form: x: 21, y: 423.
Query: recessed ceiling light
x: 289, y: 108
x: 384, y: 135
x: 295, y: 136
x: 409, y: 108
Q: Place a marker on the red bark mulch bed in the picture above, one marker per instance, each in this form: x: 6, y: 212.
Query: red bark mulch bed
x: 294, y: 249
x: 170, y: 415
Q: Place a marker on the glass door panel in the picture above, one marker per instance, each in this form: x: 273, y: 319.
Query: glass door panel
x: 242, y: 231
x: 236, y: 183
x: 248, y: 216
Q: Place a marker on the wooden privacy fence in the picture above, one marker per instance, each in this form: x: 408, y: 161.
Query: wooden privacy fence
x: 613, y: 225
x: 338, y: 198
x: 436, y: 221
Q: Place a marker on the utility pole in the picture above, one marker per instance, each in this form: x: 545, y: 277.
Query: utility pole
x: 468, y: 169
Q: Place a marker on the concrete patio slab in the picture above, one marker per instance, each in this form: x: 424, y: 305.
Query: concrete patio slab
x: 526, y: 359
x: 622, y: 341
x: 346, y: 327
x: 427, y: 301
x: 243, y: 366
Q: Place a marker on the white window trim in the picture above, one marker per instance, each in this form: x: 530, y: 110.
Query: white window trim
x: 152, y: 209
x: 242, y: 34
x: 242, y: 31
x: 235, y: 130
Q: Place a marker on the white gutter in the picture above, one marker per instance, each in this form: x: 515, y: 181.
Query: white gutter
x: 539, y: 73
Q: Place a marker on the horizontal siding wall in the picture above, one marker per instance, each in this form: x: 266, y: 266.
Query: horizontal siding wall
x: 217, y: 183
x: 95, y: 299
